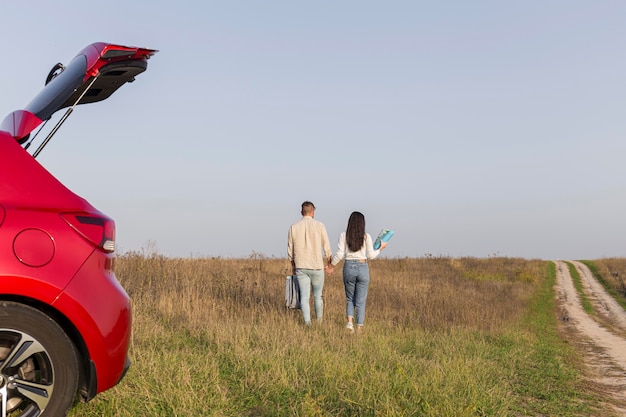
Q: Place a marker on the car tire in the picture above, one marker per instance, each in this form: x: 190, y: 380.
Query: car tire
x: 38, y: 364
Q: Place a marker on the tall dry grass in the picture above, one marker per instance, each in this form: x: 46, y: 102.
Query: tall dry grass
x: 428, y: 294
x: 611, y: 272
x: 444, y: 337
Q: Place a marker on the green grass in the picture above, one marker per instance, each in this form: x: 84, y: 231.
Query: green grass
x: 212, y: 338
x: 548, y: 376
x: 578, y: 285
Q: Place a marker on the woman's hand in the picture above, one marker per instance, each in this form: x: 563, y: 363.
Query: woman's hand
x: 383, y: 245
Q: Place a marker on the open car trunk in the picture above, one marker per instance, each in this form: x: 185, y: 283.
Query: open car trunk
x: 93, y: 75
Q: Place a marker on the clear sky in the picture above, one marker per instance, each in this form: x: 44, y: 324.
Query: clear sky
x: 470, y: 128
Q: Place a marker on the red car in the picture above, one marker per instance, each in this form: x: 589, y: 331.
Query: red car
x: 65, y: 321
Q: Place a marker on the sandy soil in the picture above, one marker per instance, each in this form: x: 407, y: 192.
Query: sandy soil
x: 600, y: 337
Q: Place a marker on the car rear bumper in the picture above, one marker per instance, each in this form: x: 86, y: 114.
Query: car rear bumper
x: 91, y: 388
x: 99, y: 308
x: 126, y: 367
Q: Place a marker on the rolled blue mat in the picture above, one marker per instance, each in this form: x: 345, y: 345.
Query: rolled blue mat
x: 383, y: 236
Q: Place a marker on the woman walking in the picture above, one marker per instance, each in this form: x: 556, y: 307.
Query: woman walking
x: 356, y: 247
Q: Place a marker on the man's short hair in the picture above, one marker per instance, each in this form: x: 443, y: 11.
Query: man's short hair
x: 307, y: 208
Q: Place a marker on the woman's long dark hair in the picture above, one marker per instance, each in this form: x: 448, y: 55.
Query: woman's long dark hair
x: 355, y: 233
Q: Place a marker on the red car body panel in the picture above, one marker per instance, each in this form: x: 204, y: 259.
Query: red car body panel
x: 45, y: 260
x: 102, y: 315
x: 77, y: 279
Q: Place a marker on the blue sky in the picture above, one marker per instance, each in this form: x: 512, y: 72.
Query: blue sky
x: 469, y: 128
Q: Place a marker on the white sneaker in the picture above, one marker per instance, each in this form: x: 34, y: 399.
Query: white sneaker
x: 350, y: 327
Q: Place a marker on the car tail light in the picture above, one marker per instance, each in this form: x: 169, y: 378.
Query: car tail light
x: 96, y: 228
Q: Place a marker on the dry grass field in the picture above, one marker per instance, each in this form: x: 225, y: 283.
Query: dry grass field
x: 444, y: 337
x: 611, y: 272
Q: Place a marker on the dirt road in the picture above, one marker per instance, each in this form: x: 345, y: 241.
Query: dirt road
x: 600, y: 336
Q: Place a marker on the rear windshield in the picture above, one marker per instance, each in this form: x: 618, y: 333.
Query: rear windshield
x: 52, y: 97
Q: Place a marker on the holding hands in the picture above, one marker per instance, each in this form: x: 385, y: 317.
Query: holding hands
x: 329, y: 268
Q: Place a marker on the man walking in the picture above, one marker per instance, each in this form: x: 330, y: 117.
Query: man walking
x: 307, y: 239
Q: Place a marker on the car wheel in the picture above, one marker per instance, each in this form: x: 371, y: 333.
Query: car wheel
x: 38, y: 364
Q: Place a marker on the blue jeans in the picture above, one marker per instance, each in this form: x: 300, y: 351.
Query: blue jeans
x: 356, y: 280
x: 308, y: 278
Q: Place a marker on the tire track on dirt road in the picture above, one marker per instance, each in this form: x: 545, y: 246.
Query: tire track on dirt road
x: 601, y: 336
